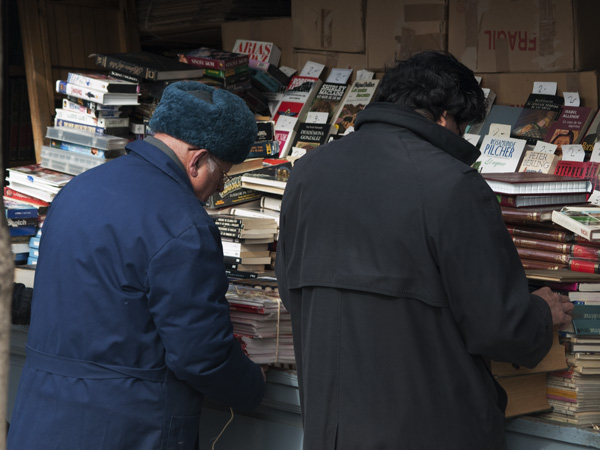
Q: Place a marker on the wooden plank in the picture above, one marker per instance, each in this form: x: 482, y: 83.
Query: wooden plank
x: 32, y: 18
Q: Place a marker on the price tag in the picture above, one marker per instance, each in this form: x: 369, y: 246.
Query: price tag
x: 595, y: 157
x: 289, y: 71
x: 572, y: 98
x: 573, y: 152
x: 499, y: 130
x: 478, y: 79
x: 312, y: 69
x: 594, y: 199
x: 339, y: 76
x: 545, y: 87
x: 297, y: 151
x: 316, y: 117
x: 363, y: 75
x: 544, y: 147
x: 286, y: 123
x: 472, y: 138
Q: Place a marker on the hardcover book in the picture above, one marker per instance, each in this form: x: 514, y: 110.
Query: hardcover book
x: 211, y: 58
x: 500, y: 154
x: 103, y: 82
x: 106, y: 98
x: 580, y: 169
x: 535, y: 183
x: 570, y: 126
x: 359, y: 95
x: 148, y: 66
x: 582, y: 220
x: 297, y: 97
x: 519, y: 201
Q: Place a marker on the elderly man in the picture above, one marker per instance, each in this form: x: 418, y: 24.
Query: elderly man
x: 130, y: 327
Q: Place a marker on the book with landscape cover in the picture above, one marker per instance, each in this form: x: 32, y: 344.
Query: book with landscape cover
x: 358, y: 96
x: 271, y: 179
x: 570, y: 126
x: 582, y: 220
x: 212, y: 58
x: 148, y: 66
x: 537, y: 116
x: 102, y: 82
x: 297, y: 98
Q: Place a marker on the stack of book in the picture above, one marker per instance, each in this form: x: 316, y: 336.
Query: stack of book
x: 36, y: 181
x: 222, y: 69
x: 246, y: 243
x: 22, y: 219
x: 260, y: 322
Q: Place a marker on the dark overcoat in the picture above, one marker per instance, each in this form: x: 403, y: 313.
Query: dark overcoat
x: 130, y: 327
x: 402, y: 281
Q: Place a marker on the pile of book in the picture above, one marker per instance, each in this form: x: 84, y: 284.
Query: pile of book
x: 575, y: 393
x: 260, y: 321
x: 24, y: 225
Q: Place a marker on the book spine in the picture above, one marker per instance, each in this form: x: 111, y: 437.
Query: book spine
x: 93, y: 106
x: 126, y: 67
x: 78, y: 126
x: 240, y: 274
x: 81, y: 149
x: 212, y: 63
x: 21, y: 213
x: 63, y: 87
x: 539, y: 244
x: 549, y: 235
x: 230, y: 259
x: 87, y: 82
x: 19, y: 222
x: 540, y: 255
x: 229, y: 222
x: 113, y: 122
x: 559, y: 218
x: 74, y: 116
x: 224, y: 73
x: 541, y: 265
x: 585, y: 252
x: 11, y: 193
x: 582, y: 265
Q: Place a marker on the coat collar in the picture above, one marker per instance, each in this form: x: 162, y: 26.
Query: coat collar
x: 395, y: 115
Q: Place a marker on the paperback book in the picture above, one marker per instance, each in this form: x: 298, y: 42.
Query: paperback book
x: 359, y: 95
x: 582, y: 220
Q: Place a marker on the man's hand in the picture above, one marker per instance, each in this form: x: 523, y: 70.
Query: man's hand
x: 560, y: 306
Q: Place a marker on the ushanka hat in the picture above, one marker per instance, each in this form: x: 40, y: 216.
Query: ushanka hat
x: 205, y: 117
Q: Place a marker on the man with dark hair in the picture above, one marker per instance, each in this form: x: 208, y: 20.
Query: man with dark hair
x: 130, y: 327
x: 401, y: 278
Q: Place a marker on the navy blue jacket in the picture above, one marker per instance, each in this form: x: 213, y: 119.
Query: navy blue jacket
x: 130, y: 327
x: 401, y: 281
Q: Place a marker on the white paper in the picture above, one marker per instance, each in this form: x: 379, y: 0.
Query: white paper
x: 472, y: 138
x: 595, y: 156
x: 545, y: 87
x: 572, y: 98
x: 312, y: 69
x: 339, y: 76
x: 544, y: 147
x: 499, y: 130
x: 316, y: 117
x: 364, y: 74
x: 573, y: 152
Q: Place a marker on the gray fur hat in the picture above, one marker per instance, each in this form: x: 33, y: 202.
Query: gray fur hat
x: 205, y: 117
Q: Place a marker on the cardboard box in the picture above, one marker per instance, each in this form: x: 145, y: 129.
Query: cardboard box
x: 396, y: 30
x: 332, y: 60
x: 524, y: 35
x: 277, y: 31
x: 513, y: 88
x: 329, y: 25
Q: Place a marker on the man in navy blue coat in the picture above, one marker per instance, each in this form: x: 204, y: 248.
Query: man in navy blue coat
x: 130, y: 327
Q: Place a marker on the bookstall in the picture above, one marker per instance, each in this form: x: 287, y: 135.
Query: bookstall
x: 54, y: 47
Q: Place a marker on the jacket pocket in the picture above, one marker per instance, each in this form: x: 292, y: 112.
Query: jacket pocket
x: 183, y: 433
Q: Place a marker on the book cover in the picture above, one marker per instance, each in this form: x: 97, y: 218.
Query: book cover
x: 539, y: 162
x: 537, y: 116
x: 14, y: 209
x: 268, y: 179
x: 264, y: 149
x: 285, y: 130
x: 501, y: 154
x: 297, y: 97
x: 212, y: 58
x: 592, y: 135
x: 570, y: 126
x: 148, y: 66
x: 535, y: 183
x: 584, y: 220
x: 359, y: 95
x: 325, y: 104
x: 258, y: 50
x: 106, y: 98
x: 24, y: 198
x: 36, y: 175
x: 502, y: 114
x: 311, y: 135
x: 265, y: 81
x: 103, y: 82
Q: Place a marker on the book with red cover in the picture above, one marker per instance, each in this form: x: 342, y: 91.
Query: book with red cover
x: 535, y: 183
x: 580, y: 169
x: 211, y: 58
x: 519, y: 201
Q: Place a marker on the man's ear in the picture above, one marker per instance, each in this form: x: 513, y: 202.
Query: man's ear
x: 196, y: 158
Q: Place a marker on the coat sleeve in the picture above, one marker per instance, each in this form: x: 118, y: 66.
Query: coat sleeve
x: 186, y: 292
x: 483, y: 276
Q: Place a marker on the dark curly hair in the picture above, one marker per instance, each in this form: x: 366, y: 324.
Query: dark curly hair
x: 435, y: 82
